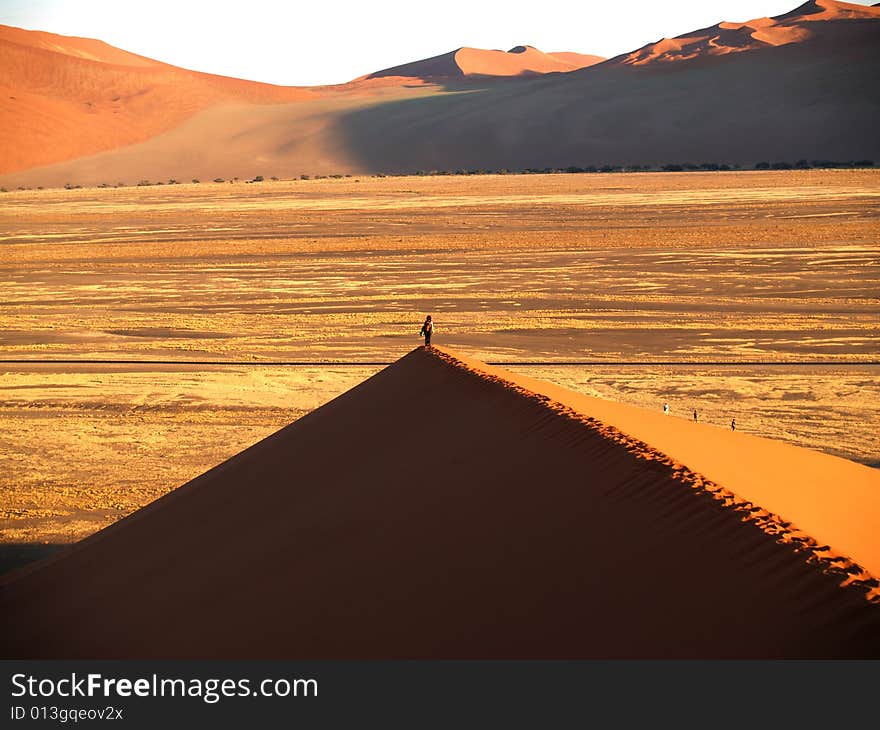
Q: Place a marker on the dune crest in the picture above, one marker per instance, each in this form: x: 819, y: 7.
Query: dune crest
x: 466, y: 516
x: 754, y: 474
x: 86, y: 48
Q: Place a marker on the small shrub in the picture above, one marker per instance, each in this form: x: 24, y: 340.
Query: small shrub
x: 762, y: 166
x: 142, y: 183
x: 219, y: 179
x: 258, y: 178
x: 195, y: 180
x: 273, y: 178
x: 304, y: 177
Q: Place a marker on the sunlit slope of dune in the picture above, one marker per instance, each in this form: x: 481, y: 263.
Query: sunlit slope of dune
x: 64, y: 98
x: 438, y: 511
x: 470, y: 62
x: 723, y: 38
x: 87, y: 48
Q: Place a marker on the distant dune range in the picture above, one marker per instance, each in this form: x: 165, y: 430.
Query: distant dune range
x: 477, y: 514
x: 798, y: 86
x: 464, y: 62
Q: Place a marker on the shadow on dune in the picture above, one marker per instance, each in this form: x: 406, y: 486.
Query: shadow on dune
x: 16, y: 555
x: 779, y: 103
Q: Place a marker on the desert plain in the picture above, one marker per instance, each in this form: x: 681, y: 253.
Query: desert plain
x: 148, y: 333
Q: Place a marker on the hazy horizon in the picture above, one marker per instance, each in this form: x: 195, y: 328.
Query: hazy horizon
x: 295, y: 46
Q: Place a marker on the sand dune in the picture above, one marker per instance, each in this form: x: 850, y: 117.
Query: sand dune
x: 731, y: 99
x: 464, y: 62
x: 87, y: 48
x: 465, y: 517
x: 63, y: 98
x: 726, y: 37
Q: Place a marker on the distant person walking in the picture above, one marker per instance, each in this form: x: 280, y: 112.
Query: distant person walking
x: 695, y: 415
x: 427, y: 330
x: 733, y: 424
x: 665, y: 409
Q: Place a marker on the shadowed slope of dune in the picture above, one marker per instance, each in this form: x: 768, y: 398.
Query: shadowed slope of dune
x: 438, y: 511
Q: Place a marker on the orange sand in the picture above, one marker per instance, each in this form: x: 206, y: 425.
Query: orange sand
x: 463, y: 62
x: 64, y: 98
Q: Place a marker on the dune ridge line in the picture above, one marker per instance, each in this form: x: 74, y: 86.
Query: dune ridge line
x: 821, y: 556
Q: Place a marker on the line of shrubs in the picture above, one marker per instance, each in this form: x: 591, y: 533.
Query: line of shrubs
x: 814, y: 164
x: 572, y: 169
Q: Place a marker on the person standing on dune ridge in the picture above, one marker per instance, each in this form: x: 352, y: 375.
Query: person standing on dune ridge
x: 427, y: 330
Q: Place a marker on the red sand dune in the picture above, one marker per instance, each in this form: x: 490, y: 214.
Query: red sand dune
x: 88, y: 48
x: 464, y: 62
x: 64, y: 98
x: 114, y: 122
x: 439, y: 509
x: 725, y: 37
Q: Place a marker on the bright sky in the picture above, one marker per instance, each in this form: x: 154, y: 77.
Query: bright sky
x: 292, y: 42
